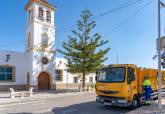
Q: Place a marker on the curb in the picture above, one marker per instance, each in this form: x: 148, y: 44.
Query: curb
x: 29, y: 99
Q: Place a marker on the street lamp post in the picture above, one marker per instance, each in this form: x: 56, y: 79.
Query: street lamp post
x: 159, y: 60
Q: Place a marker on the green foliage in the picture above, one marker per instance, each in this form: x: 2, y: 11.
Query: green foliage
x: 82, y: 50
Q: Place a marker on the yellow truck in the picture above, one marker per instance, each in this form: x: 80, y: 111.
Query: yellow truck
x: 121, y: 85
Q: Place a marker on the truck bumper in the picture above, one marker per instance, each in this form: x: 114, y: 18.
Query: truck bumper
x: 111, y: 101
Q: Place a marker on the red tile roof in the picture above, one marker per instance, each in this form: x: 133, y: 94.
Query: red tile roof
x: 43, y: 2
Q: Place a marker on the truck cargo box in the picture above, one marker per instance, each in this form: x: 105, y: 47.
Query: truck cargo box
x: 152, y: 76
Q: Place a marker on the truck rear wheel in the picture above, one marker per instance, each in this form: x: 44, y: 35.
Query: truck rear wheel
x: 134, y: 103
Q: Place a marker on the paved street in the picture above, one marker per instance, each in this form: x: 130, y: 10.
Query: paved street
x: 82, y: 103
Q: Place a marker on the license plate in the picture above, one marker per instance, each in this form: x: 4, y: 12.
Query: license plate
x: 105, y: 103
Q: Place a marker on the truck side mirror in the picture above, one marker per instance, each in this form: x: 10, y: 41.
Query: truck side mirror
x: 129, y: 80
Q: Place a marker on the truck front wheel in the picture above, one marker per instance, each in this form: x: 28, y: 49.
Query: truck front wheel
x: 134, y: 103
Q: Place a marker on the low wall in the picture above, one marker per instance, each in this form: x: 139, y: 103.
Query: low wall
x: 70, y: 85
x: 66, y: 86
x: 60, y: 86
x: 15, y: 87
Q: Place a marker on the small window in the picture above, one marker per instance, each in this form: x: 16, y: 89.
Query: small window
x: 6, y: 73
x: 48, y: 16
x: 29, y: 40
x: 32, y: 14
x: 131, y: 75
x: 29, y: 16
x: 28, y: 79
x: 75, y: 79
x: 41, y: 13
x: 58, y: 75
x: 60, y: 62
x: 91, y: 79
x: 44, y: 40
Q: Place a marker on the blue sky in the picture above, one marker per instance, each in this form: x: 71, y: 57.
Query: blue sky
x: 133, y: 42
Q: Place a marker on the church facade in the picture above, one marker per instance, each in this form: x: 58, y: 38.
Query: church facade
x: 36, y: 66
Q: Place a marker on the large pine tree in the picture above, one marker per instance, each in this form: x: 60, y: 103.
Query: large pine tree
x: 82, y: 50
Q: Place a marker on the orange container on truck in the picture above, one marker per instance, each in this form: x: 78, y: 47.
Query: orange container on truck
x: 122, y: 85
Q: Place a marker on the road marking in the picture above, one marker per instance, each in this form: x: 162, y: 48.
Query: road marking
x: 9, y: 105
x: 69, y: 111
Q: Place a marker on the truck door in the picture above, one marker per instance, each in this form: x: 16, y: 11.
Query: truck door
x: 131, y: 80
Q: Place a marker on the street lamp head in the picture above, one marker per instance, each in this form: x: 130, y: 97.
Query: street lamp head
x: 7, y: 57
x: 162, y: 4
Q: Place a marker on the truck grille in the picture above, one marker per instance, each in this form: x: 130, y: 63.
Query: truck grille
x: 108, y: 92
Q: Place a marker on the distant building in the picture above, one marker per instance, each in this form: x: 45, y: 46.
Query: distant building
x: 36, y: 66
x: 66, y: 79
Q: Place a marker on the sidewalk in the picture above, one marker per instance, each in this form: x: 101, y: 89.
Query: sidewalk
x: 5, y: 97
x: 151, y: 109
x: 6, y: 100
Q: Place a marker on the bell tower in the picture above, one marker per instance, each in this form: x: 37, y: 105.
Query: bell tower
x: 40, y: 44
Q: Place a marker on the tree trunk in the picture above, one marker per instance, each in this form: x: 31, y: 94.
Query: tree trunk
x: 83, y: 82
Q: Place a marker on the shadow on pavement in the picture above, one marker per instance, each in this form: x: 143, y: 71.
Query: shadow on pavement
x: 89, y: 108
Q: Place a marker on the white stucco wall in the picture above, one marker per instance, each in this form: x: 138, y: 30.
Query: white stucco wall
x: 34, y: 55
x: 68, y: 77
x: 18, y: 61
x: 31, y: 60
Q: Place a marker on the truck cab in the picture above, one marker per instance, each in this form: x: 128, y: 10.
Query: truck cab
x: 117, y: 85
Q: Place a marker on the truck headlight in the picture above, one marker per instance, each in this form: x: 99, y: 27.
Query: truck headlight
x: 99, y: 99
x: 122, y: 101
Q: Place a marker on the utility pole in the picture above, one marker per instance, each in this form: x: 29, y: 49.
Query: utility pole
x: 159, y: 60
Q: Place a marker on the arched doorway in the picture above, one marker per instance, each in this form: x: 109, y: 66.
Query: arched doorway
x: 43, y: 81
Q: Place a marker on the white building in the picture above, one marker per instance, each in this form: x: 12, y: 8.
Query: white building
x: 12, y: 70
x: 36, y: 66
x: 65, y: 79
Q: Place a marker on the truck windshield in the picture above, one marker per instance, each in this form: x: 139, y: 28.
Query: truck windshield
x: 113, y: 74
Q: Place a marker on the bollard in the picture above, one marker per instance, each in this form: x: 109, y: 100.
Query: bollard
x: 80, y: 88
x: 31, y: 91
x: 22, y: 94
x: 12, y: 93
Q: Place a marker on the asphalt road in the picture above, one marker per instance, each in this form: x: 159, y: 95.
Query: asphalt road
x: 74, y: 104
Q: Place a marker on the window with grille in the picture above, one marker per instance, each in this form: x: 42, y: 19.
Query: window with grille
x: 91, y: 79
x: 75, y: 79
x: 6, y: 73
x: 58, y: 75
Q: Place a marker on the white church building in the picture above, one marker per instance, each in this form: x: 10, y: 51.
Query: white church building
x: 38, y: 66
